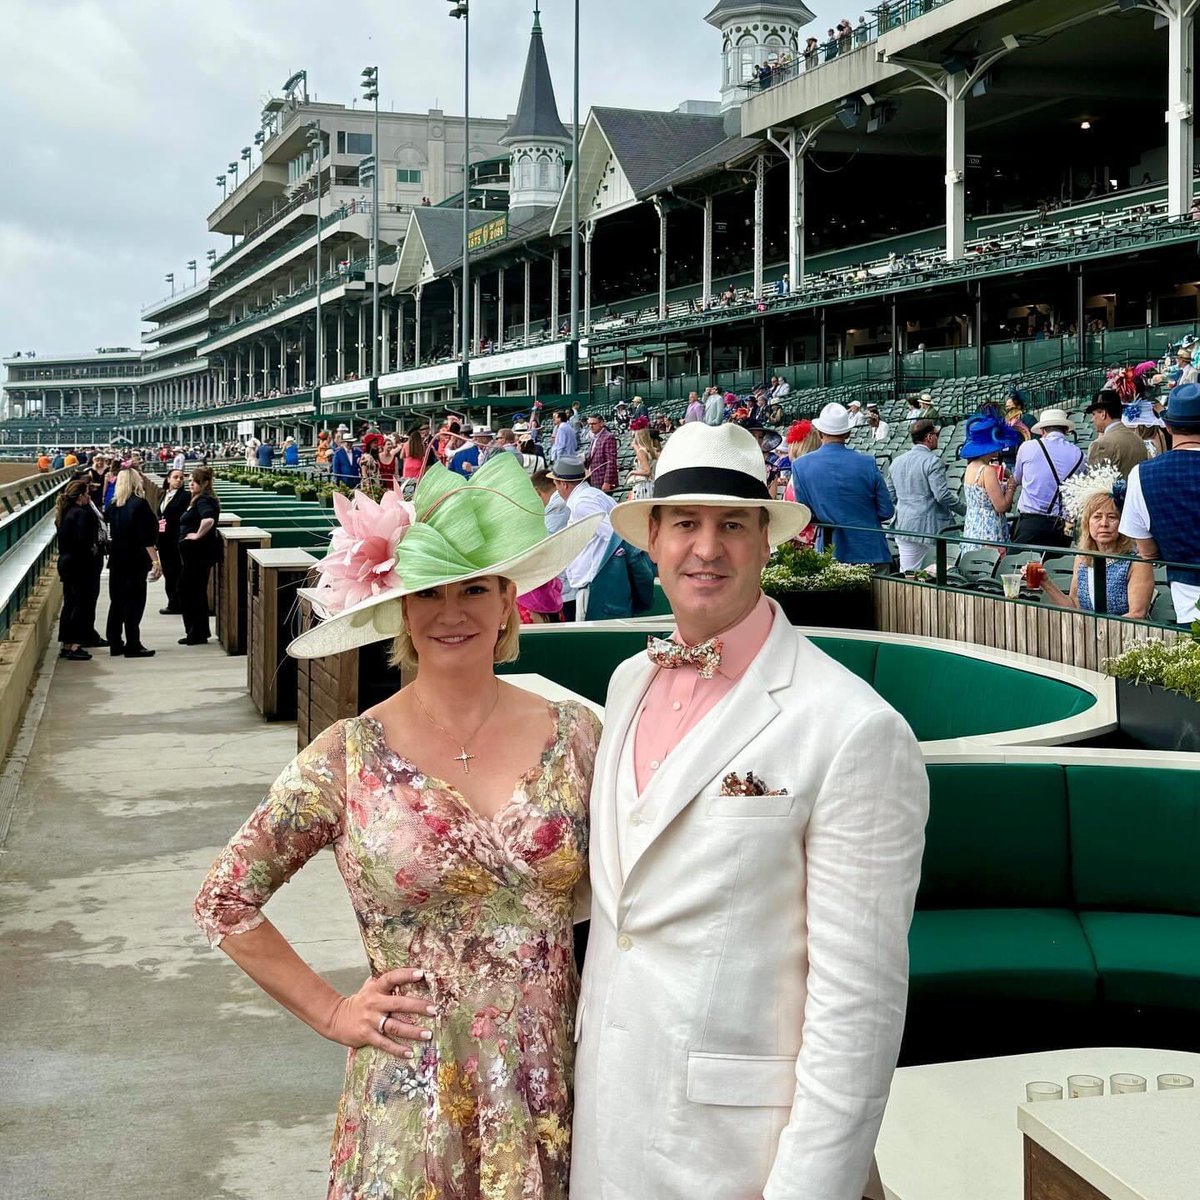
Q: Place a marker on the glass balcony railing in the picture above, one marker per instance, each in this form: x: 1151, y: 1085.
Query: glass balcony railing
x: 346, y: 272
x: 846, y: 39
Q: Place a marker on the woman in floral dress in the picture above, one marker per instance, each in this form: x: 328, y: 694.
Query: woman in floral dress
x: 457, y: 813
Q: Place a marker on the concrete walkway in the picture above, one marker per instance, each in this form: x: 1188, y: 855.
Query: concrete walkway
x: 135, y: 1062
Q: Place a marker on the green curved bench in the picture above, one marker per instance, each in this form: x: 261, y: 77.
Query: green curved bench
x: 1059, y: 905
x: 926, y: 685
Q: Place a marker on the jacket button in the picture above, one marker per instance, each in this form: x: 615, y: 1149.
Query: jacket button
x: 624, y: 942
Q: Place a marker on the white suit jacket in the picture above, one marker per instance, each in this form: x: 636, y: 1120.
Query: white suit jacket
x: 744, y: 991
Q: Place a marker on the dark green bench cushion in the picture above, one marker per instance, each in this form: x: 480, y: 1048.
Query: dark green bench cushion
x: 855, y: 654
x: 991, y: 953
x: 1135, y: 838
x: 1146, y: 958
x: 944, y: 695
x: 997, y: 836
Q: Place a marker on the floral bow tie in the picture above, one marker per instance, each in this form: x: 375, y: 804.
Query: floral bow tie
x: 706, y: 657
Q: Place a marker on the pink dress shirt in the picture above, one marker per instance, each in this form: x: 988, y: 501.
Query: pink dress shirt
x: 676, y: 700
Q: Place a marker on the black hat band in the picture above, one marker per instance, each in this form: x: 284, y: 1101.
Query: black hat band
x: 714, y: 481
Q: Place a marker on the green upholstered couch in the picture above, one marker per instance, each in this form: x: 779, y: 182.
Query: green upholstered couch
x: 1059, y: 905
x: 940, y: 694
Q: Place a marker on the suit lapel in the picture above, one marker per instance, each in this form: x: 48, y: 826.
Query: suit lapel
x: 708, y: 748
x: 620, y: 708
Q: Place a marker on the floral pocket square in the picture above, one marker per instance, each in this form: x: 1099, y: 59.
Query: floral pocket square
x: 734, y: 785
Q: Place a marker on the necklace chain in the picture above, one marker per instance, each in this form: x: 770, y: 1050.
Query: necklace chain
x: 464, y: 756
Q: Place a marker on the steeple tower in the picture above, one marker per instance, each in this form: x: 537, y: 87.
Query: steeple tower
x: 536, y: 139
x: 752, y: 31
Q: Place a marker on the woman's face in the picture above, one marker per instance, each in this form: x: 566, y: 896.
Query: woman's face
x: 1104, y: 524
x: 456, y: 626
x: 174, y: 480
x: 194, y: 487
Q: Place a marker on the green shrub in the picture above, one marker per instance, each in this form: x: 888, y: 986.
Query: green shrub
x: 284, y: 488
x: 793, y: 568
x: 305, y: 491
x: 1175, y: 666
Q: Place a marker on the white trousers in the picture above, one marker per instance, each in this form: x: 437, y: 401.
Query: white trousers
x: 911, y: 553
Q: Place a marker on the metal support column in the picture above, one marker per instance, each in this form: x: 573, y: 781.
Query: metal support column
x: 956, y: 169
x: 499, y: 308
x: 554, y: 287
x: 417, y: 328
x: 660, y: 208
x: 1180, y: 17
x: 589, y: 231
x: 759, y: 171
x: 477, y: 307
x: 455, y: 311
x: 706, y: 254
x: 526, y: 313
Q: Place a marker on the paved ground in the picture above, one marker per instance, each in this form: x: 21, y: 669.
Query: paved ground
x: 135, y: 1062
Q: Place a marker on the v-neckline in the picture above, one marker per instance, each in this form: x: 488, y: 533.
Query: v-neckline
x: 519, y: 790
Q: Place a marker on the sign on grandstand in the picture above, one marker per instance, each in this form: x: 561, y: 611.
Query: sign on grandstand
x: 487, y: 233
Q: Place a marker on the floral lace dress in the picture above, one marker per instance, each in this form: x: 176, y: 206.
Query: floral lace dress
x: 486, y: 906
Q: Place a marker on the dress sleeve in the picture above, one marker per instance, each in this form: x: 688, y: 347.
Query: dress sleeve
x: 301, y: 813
x: 585, y: 737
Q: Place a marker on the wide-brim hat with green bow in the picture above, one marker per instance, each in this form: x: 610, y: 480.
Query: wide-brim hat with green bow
x: 455, y: 529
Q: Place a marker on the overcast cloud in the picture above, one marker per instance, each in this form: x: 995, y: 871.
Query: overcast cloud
x: 119, y: 114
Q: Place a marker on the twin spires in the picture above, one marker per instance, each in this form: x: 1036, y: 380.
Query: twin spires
x: 537, y: 140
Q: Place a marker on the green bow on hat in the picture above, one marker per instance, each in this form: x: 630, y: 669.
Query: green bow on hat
x: 465, y: 527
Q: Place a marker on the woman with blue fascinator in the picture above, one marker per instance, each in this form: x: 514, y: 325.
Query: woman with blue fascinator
x: 457, y: 812
x: 986, y: 491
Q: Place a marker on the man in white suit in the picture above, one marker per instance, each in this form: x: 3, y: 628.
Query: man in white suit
x: 758, y: 821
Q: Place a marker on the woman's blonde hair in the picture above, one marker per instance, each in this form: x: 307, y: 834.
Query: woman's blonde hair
x: 507, y: 649
x: 811, y: 441
x: 1084, y: 542
x: 129, y: 483
x: 644, y: 439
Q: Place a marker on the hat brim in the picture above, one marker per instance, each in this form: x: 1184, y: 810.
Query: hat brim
x: 631, y: 518
x: 1069, y: 426
x: 381, y: 617
x: 830, y: 430
x: 565, y: 479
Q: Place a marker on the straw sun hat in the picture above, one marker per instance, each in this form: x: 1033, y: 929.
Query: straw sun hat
x: 711, y: 466
x: 455, y: 529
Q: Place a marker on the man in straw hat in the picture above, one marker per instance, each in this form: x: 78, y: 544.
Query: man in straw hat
x: 1163, y: 499
x: 1042, y: 464
x: 757, y: 829
x: 582, y: 500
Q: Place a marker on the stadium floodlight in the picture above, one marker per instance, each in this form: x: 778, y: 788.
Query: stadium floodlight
x: 223, y: 186
x: 367, y: 173
x: 956, y: 62
x: 848, y: 112
x: 169, y: 277
x: 191, y: 266
x: 211, y: 255
x: 458, y: 8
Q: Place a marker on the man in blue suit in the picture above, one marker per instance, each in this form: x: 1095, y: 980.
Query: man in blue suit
x: 345, y: 462
x: 843, y: 487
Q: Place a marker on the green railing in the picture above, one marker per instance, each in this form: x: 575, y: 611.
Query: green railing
x: 28, y: 539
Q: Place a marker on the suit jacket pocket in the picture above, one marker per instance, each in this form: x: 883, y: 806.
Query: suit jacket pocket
x: 743, y: 1080
x: 747, y: 806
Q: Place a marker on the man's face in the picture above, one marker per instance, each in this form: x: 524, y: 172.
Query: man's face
x: 709, y: 562
x: 595, y: 424
x: 1100, y: 419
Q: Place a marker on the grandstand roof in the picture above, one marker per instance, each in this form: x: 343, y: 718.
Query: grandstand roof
x: 651, y: 145
x: 537, y: 113
x: 433, y: 243
x: 790, y: 8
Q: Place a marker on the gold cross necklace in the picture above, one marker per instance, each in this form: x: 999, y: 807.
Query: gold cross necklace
x: 464, y: 756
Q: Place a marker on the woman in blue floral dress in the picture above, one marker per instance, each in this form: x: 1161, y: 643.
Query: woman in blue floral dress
x: 987, y: 495
x: 457, y: 814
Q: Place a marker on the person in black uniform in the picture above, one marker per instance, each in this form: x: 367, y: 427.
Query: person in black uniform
x: 132, y: 550
x: 198, y: 548
x: 78, y: 552
x: 171, y: 507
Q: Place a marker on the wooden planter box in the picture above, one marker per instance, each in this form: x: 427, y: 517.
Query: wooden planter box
x: 231, y: 573
x: 341, y: 685
x: 1158, y: 718
x: 272, y: 579
x: 833, y: 610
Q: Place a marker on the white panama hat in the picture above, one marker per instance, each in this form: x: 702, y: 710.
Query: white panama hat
x: 833, y: 421
x: 710, y: 466
x: 1054, y: 418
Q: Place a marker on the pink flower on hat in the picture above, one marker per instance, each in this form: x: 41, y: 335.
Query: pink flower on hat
x: 361, y: 562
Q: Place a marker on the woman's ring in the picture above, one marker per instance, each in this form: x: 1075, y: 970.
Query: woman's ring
x: 383, y: 1021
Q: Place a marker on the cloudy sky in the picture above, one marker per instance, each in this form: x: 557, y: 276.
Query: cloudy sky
x: 120, y: 114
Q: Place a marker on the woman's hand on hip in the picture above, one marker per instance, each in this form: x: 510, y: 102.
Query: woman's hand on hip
x: 379, y: 1015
